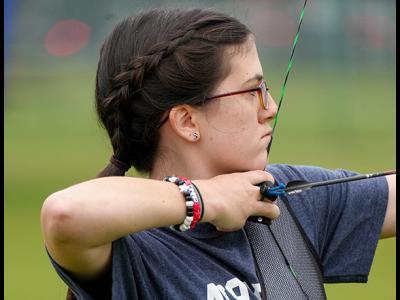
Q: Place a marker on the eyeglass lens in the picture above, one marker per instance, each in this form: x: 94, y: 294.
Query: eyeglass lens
x: 264, y: 95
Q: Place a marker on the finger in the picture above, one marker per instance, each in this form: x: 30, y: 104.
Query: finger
x: 265, y: 199
x: 261, y: 197
x: 259, y: 176
x: 260, y: 194
x: 266, y: 209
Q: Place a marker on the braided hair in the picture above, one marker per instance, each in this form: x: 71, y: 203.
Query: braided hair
x: 152, y: 62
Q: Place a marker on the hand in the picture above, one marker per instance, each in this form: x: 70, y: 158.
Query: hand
x: 230, y: 199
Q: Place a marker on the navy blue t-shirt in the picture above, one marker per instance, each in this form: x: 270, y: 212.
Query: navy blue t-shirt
x: 342, y: 221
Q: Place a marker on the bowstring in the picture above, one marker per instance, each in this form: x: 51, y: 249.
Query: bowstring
x: 289, y: 67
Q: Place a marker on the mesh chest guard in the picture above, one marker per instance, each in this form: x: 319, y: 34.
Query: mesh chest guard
x: 276, y: 278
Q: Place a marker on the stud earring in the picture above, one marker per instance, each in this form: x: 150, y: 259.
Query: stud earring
x: 195, y: 135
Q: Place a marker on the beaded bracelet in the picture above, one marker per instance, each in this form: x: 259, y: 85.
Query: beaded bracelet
x: 194, y: 202
x: 201, y: 200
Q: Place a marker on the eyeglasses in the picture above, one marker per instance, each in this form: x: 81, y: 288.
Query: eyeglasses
x: 262, y: 92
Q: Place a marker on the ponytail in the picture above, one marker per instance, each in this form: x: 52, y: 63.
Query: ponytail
x: 115, y: 167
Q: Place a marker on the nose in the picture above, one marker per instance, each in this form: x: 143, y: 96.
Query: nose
x: 269, y: 114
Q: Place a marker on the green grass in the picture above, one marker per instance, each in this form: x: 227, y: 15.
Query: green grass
x: 52, y: 140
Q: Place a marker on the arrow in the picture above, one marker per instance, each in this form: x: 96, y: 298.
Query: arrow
x: 298, y: 186
x: 272, y: 191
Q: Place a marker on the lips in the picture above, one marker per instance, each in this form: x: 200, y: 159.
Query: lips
x: 268, y: 134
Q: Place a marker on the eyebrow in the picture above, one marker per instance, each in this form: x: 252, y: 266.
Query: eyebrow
x: 257, y: 77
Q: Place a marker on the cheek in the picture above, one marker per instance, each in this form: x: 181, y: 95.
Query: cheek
x: 231, y: 116
x: 236, y: 152
x: 237, y: 141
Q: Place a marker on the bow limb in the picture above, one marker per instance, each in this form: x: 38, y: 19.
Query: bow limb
x: 289, y: 67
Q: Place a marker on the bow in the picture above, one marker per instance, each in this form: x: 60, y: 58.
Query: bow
x: 273, y: 191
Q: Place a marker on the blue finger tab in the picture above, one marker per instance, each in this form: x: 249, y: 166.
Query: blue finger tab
x: 277, y: 190
x: 271, y: 190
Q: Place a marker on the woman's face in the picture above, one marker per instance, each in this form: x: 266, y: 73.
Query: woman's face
x: 235, y: 130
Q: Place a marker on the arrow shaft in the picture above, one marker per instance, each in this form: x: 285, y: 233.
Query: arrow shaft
x: 297, y: 188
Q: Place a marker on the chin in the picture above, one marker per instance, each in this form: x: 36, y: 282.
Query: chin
x: 261, y: 166
x: 258, y: 165
x: 262, y: 161
x: 254, y: 162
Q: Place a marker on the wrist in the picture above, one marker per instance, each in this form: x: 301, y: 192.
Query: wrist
x: 210, y: 207
x: 193, y: 202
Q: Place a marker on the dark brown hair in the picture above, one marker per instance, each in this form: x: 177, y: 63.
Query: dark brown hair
x: 152, y: 62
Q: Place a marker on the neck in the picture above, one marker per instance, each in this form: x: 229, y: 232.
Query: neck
x: 188, y: 164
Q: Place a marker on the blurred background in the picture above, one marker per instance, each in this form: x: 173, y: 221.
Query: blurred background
x: 338, y: 111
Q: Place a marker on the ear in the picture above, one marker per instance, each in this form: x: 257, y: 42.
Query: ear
x: 184, y: 122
